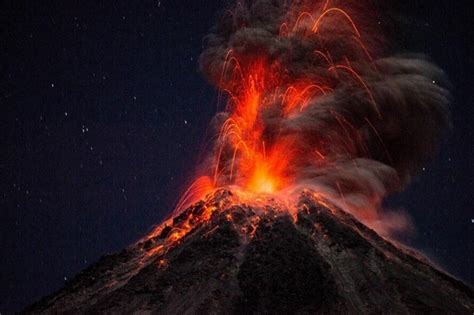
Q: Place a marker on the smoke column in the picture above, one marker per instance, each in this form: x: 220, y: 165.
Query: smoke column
x: 312, y: 98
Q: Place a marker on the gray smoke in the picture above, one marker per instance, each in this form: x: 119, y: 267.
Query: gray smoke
x: 371, y: 151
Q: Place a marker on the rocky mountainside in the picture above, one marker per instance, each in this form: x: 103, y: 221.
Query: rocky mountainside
x: 223, y: 256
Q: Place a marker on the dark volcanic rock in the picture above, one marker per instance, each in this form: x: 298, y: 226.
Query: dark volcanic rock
x: 283, y: 272
x: 235, y: 258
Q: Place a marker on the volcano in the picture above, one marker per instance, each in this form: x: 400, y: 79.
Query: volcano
x: 318, y: 123
x: 223, y: 255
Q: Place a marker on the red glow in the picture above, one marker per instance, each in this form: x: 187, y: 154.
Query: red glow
x: 254, y: 83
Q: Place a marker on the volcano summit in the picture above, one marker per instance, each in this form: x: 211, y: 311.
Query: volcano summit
x: 224, y: 256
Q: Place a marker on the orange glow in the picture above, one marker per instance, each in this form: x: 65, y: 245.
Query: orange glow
x: 196, y: 191
x: 250, y: 165
x: 262, y: 181
x: 253, y: 83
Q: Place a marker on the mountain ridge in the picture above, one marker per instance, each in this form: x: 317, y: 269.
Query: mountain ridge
x: 222, y: 255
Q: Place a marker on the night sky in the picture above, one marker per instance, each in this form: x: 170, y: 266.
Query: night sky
x: 103, y: 116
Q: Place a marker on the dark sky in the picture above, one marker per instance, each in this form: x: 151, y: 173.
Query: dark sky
x: 103, y: 114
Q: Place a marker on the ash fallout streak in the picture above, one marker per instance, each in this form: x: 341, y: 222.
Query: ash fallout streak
x: 313, y: 98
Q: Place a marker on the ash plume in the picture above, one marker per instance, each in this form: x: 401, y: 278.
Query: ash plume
x: 375, y: 117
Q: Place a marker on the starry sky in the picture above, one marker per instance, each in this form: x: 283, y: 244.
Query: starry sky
x: 103, y: 115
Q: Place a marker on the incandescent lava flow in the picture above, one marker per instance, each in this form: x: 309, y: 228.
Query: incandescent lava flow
x: 320, y: 121
x: 223, y: 256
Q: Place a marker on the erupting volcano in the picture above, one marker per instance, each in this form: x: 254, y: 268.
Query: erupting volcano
x: 320, y: 120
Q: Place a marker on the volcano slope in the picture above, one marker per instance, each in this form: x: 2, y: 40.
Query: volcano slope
x: 223, y: 256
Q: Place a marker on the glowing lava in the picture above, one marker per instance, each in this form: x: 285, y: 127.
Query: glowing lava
x: 250, y: 153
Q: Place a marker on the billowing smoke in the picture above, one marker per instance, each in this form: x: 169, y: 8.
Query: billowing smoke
x: 312, y: 87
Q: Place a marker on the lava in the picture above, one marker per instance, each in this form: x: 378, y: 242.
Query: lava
x: 252, y: 84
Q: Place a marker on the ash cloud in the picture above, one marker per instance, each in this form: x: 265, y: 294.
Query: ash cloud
x: 373, y: 144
